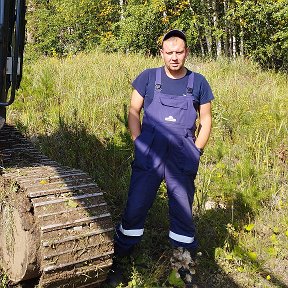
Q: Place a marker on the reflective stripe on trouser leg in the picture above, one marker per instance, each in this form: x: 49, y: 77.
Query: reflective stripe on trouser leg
x: 181, y: 238
x: 181, y: 189
x: 142, y: 192
x: 131, y: 232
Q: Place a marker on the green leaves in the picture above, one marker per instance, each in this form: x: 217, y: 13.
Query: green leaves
x: 252, y: 255
x: 258, y: 28
x: 249, y: 227
x: 140, y: 29
x: 175, y: 280
x: 73, y: 25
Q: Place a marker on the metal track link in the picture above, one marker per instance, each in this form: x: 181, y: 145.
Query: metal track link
x: 70, y: 212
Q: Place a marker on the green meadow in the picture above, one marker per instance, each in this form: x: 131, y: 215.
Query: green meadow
x: 75, y: 111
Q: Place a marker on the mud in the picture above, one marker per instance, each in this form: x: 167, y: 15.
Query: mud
x: 60, y: 227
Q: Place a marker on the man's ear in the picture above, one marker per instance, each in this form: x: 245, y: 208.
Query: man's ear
x: 161, y: 52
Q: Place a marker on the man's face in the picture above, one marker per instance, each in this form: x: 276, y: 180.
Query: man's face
x: 174, y: 53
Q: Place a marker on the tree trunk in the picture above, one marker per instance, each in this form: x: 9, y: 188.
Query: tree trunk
x: 121, y: 3
x: 232, y: 37
x: 30, y: 31
x: 216, y: 28
x: 234, y: 47
x: 201, y: 46
x: 198, y: 30
x: 206, y: 27
x: 200, y: 39
x: 241, y: 41
x: 226, y: 27
x: 208, y: 40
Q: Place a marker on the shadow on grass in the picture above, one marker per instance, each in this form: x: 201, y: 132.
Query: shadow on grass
x: 215, y: 229
x: 104, y: 160
x: 71, y: 146
x: 107, y: 161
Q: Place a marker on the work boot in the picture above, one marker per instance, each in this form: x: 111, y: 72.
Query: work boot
x: 118, y: 271
x: 183, y: 261
x: 119, y: 268
x: 116, y: 274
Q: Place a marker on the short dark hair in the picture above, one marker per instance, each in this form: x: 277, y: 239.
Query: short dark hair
x: 175, y: 33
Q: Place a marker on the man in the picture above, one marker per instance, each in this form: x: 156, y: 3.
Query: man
x: 166, y: 147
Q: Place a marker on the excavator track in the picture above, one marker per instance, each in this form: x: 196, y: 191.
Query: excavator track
x: 60, y: 211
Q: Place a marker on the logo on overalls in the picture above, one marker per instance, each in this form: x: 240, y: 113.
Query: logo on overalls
x: 170, y: 119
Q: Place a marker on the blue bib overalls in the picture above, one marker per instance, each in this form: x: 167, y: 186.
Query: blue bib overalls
x: 165, y: 149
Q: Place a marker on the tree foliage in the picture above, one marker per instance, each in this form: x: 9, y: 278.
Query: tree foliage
x: 251, y: 28
x: 68, y: 26
x: 266, y: 31
x: 140, y: 28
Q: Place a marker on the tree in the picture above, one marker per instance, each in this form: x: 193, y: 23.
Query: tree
x: 251, y: 28
x: 68, y: 26
x: 141, y: 26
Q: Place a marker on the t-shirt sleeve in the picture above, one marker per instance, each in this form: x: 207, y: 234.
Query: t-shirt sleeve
x: 206, y: 94
x: 140, y: 83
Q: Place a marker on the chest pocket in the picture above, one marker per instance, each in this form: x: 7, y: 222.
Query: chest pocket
x: 174, y: 109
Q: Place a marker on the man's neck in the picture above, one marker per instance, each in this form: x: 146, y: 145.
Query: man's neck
x: 176, y: 74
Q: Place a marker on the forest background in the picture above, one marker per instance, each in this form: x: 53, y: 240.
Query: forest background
x: 253, y: 28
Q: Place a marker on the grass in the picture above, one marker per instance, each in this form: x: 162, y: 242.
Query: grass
x: 75, y: 111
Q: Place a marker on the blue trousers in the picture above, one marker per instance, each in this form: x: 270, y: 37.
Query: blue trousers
x: 169, y: 158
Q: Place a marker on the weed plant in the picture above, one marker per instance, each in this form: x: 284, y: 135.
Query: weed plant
x: 75, y: 111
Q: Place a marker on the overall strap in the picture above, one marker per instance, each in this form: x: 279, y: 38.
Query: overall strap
x: 158, y: 79
x: 190, y: 84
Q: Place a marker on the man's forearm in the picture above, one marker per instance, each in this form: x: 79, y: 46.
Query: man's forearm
x: 204, y: 133
x: 134, y: 124
x: 205, y: 125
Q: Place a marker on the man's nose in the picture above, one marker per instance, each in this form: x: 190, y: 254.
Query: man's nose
x: 174, y: 56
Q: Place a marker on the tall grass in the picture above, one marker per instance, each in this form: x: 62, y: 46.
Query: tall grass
x: 75, y: 110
